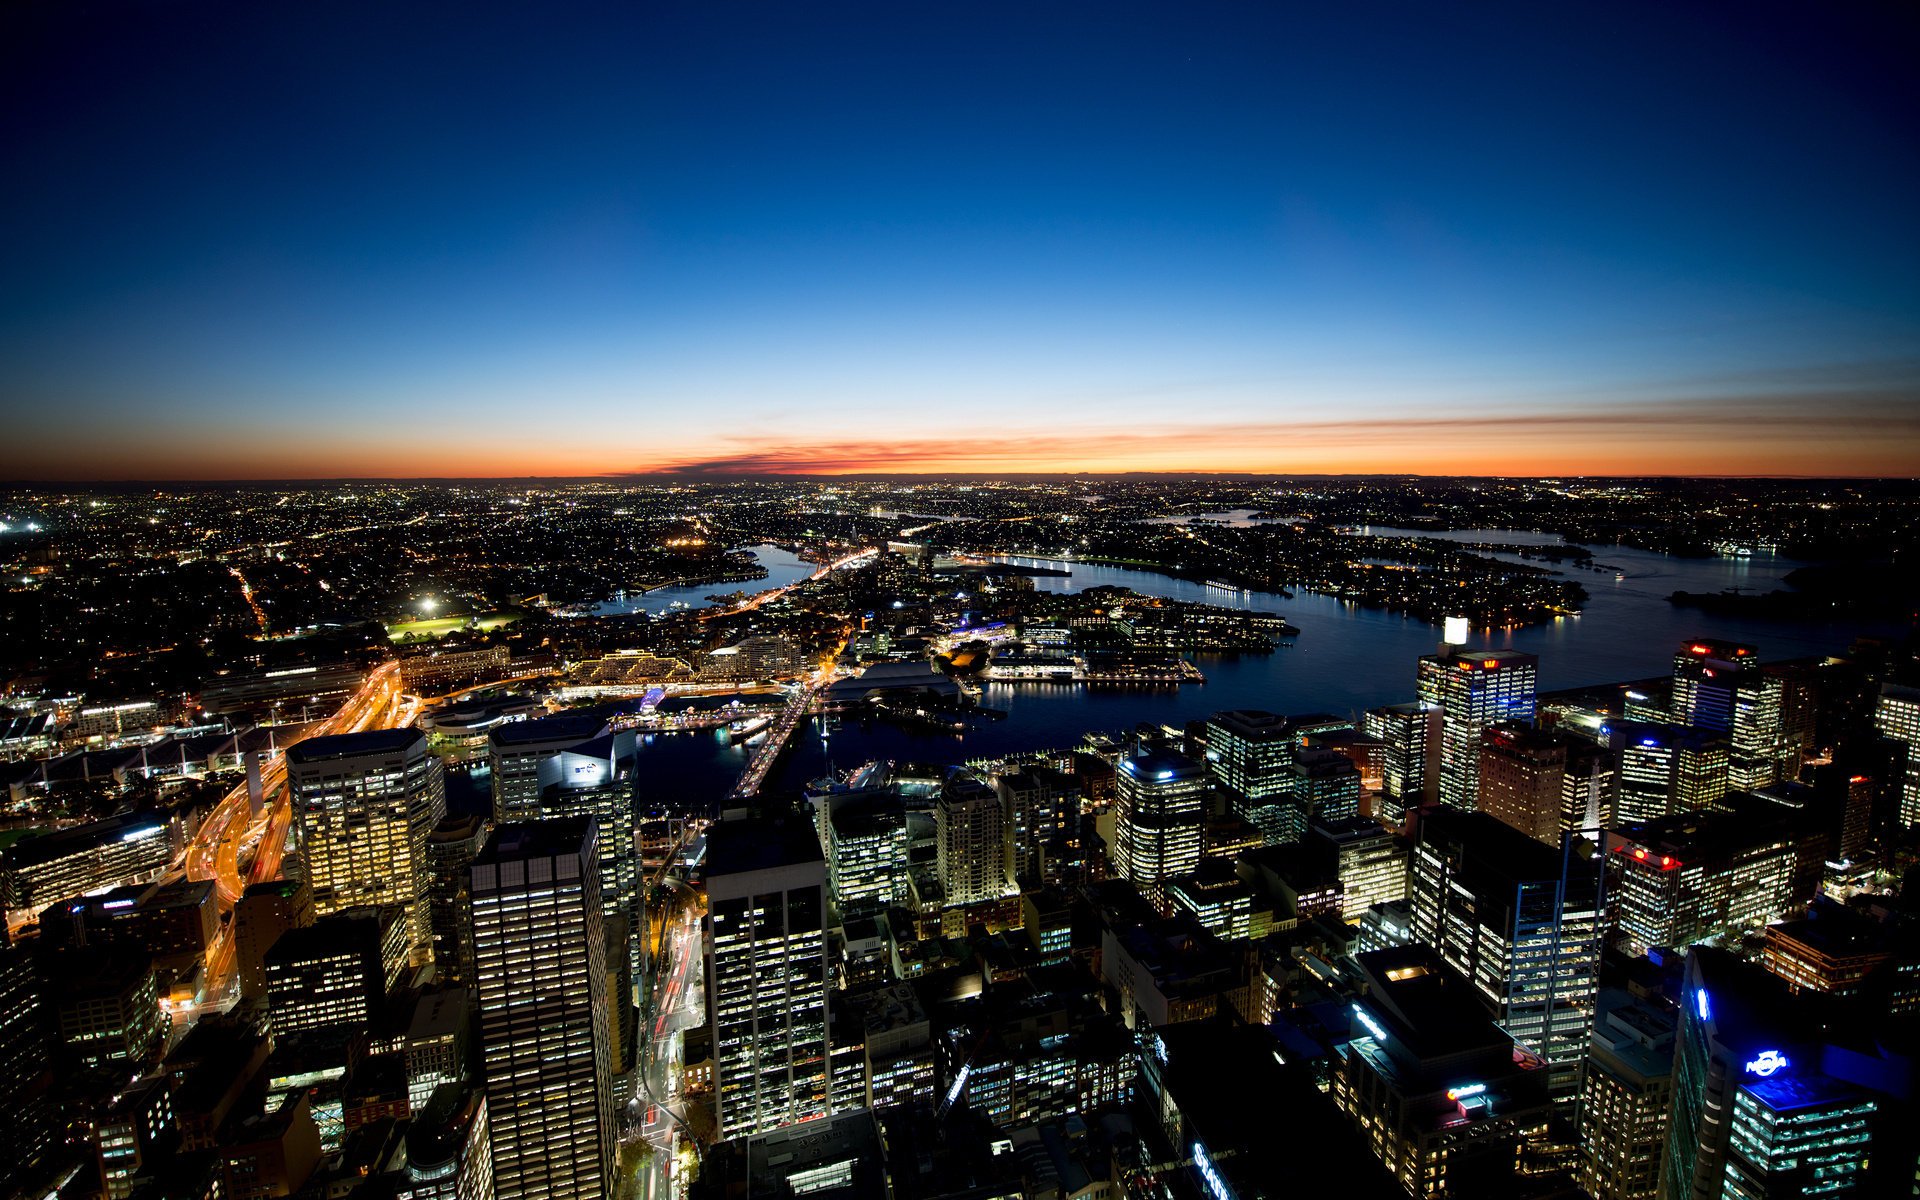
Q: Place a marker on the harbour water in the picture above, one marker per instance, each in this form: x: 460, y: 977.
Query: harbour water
x: 783, y: 568
x: 1347, y: 658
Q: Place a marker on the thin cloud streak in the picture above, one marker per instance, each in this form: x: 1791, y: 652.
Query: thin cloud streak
x: 1765, y: 434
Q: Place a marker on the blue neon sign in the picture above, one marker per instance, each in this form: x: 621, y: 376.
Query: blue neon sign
x: 1767, y: 1062
x: 1215, y: 1184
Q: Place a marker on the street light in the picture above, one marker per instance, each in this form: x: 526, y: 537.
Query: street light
x: 429, y: 604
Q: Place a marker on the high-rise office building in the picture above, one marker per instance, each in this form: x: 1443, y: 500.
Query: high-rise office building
x: 1369, y: 861
x: 451, y: 848
x: 1409, y: 773
x: 515, y: 751
x: 1521, y: 921
x: 1662, y: 769
x: 1433, y: 1085
x: 1042, y: 806
x: 26, y: 1072
x: 865, y: 842
x: 1325, y: 786
x: 1475, y: 690
x: 1545, y: 781
x: 1680, y: 878
x: 336, y: 972
x: 1721, y: 686
x: 1897, y: 716
x: 546, y: 1018
x: 596, y: 778
x: 1625, y: 1096
x: 1766, y: 1103
x: 267, y: 910
x: 767, y: 974
x: 366, y: 804
x: 1522, y: 773
x: 1159, y: 815
x: 1248, y: 752
x: 974, y: 852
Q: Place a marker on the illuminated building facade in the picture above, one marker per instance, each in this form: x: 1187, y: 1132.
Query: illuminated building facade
x: 1680, y: 878
x: 974, y: 851
x: 596, y: 779
x: 1369, y: 861
x: 1218, y: 898
x: 1522, y: 773
x: 866, y: 846
x: 1664, y: 769
x: 1765, y: 1106
x: 1624, y: 1098
x: 1159, y: 816
x: 1042, y: 807
x: 366, y: 804
x: 767, y: 975
x: 336, y: 972
x: 1430, y: 1082
x: 1473, y: 691
x: 546, y: 1017
x: 39, y: 871
x: 1721, y: 686
x: 1897, y: 715
x: 265, y: 911
x: 451, y: 848
x: 1409, y: 767
x: 26, y: 1071
x: 515, y: 751
x: 1521, y: 922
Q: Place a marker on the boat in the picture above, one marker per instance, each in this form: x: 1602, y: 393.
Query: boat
x: 746, y: 727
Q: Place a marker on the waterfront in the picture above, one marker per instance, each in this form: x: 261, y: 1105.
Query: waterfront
x: 1347, y: 658
x: 783, y: 569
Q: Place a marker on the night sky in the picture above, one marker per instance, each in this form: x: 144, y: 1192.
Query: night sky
x: 285, y: 240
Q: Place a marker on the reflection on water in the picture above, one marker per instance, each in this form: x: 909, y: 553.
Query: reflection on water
x: 782, y: 567
x: 1347, y: 658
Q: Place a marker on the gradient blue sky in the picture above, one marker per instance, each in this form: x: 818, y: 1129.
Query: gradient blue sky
x: 355, y: 239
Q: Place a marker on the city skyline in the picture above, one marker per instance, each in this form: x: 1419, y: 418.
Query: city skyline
x: 1510, y: 242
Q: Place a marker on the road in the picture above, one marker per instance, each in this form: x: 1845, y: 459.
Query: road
x: 234, y: 848
x: 656, y: 1114
x: 757, y: 599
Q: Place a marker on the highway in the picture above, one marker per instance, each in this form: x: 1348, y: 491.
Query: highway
x: 234, y: 849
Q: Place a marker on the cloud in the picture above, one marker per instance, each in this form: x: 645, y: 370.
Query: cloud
x: 1762, y: 432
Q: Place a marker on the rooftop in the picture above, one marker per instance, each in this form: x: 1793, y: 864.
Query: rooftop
x: 353, y: 745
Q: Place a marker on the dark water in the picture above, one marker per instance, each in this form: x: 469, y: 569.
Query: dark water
x: 1346, y: 658
x: 782, y: 569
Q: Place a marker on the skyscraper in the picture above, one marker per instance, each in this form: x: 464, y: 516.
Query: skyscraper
x: 595, y: 778
x: 546, y: 1019
x: 26, y: 1071
x: 1411, y: 734
x: 1158, y: 818
x: 767, y: 974
x: 1662, y: 769
x: 451, y: 849
x: 974, y: 852
x: 1721, y: 686
x: 1898, y: 716
x: 1625, y: 1097
x: 1521, y: 921
x: 1680, y: 878
x: 1522, y: 773
x: 1475, y: 690
x: 515, y: 751
x: 366, y: 804
x: 1766, y: 1104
